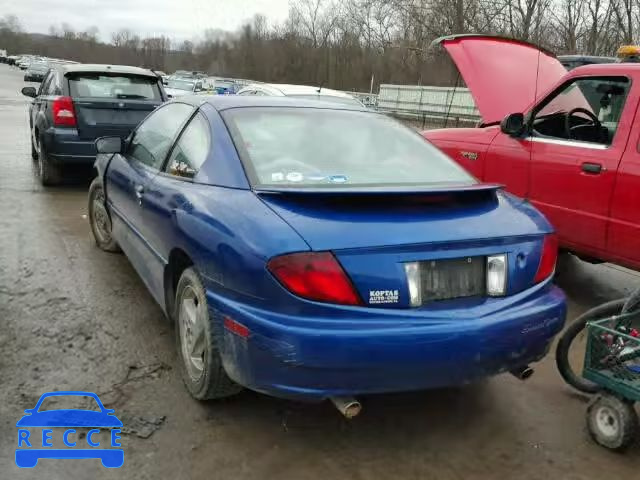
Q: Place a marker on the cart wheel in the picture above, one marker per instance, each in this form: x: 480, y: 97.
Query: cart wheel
x: 612, y: 422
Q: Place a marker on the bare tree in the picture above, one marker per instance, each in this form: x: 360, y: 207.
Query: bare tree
x: 624, y: 11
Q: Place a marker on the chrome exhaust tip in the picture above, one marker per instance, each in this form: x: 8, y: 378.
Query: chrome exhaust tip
x: 522, y: 373
x: 349, y: 407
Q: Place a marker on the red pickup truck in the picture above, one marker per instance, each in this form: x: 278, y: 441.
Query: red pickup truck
x: 566, y: 141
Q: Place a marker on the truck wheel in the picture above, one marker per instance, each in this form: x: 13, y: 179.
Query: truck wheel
x: 197, y: 342
x: 99, y: 218
x: 612, y: 422
x: 49, y: 174
x: 563, y: 349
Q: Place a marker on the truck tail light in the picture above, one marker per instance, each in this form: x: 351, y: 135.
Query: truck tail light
x: 64, y: 115
x: 315, y: 276
x: 547, y: 264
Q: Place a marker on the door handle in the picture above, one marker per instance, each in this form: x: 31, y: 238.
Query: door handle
x: 593, y: 168
x: 139, y: 189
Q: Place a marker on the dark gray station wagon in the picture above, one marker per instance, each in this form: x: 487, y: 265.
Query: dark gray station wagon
x: 75, y: 104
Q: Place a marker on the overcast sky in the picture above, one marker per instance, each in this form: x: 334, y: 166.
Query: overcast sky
x: 179, y: 19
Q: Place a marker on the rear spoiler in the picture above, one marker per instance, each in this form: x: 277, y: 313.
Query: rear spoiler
x: 378, y: 191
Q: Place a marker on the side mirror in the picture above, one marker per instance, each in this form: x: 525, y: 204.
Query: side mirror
x: 181, y: 169
x: 165, y: 82
x: 29, y: 92
x: 109, y: 145
x: 513, y: 124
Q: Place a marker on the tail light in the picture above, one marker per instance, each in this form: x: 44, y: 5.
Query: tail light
x: 315, y: 276
x: 64, y: 114
x: 548, y: 258
x: 497, y: 275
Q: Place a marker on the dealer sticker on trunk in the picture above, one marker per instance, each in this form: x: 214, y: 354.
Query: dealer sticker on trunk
x: 383, y: 296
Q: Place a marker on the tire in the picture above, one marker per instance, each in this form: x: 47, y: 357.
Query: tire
x: 99, y: 218
x: 612, y: 422
x: 49, y: 173
x: 34, y: 152
x: 199, y: 358
x: 575, y: 379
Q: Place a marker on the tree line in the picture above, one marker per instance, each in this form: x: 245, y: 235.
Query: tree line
x: 348, y: 44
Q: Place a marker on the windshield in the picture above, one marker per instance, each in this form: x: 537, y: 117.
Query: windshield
x: 98, y: 85
x: 570, y: 98
x: 336, y: 148
x: 181, y: 85
x: 329, y: 98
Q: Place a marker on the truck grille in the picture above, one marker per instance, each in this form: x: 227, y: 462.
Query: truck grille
x: 453, y: 278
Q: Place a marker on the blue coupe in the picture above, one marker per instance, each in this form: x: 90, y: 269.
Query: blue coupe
x: 314, y: 250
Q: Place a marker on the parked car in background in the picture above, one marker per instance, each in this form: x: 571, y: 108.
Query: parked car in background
x: 26, y: 60
x: 226, y: 86
x: 299, y: 91
x: 177, y: 87
x: 566, y: 141
x: 75, y: 104
x: 188, y: 74
x: 313, y: 249
x: 36, y: 72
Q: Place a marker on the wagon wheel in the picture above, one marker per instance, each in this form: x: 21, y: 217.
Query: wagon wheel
x: 612, y: 422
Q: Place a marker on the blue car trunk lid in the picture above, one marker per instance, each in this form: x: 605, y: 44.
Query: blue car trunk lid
x: 451, y: 230
x: 350, y: 219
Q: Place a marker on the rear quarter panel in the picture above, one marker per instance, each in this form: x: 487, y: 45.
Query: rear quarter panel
x: 229, y: 234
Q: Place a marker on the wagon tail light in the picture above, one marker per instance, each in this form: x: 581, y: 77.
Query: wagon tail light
x: 315, y: 276
x: 64, y: 115
x: 547, y: 264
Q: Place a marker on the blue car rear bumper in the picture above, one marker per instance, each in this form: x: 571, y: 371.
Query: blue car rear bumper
x: 386, y: 350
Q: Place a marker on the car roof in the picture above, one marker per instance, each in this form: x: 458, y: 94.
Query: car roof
x: 607, y: 69
x: 103, y: 68
x: 225, y: 102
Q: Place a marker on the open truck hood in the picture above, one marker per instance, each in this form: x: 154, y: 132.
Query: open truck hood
x: 504, y: 75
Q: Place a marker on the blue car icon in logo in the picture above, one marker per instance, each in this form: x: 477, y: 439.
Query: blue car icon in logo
x: 31, y: 447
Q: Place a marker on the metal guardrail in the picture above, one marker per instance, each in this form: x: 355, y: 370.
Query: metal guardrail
x: 436, y: 101
x: 423, y: 102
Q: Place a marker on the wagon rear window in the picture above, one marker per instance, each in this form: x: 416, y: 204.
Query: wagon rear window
x: 313, y: 147
x: 114, y: 86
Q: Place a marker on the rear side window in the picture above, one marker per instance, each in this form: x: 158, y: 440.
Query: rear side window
x: 45, y: 84
x: 100, y: 85
x: 152, y: 140
x: 53, y: 87
x: 191, y: 150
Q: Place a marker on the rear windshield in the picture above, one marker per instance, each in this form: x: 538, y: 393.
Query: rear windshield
x: 39, y: 67
x: 324, y: 148
x: 98, y: 85
x: 186, y: 85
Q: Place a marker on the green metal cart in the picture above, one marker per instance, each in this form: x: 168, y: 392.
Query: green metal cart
x: 612, y: 360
